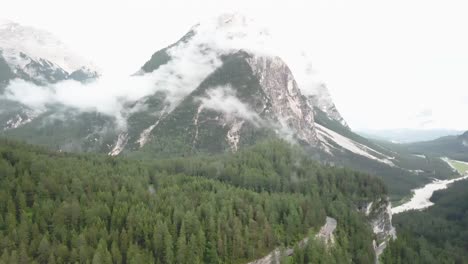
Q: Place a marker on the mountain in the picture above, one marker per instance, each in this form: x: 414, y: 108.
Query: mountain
x: 220, y: 89
x: 322, y: 102
x: 31, y: 55
x: 38, y: 56
x: 408, y: 135
x: 455, y: 147
x: 248, y: 96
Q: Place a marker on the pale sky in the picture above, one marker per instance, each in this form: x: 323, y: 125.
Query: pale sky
x: 388, y: 64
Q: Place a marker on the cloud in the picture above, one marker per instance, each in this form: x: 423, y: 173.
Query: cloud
x: 192, y: 60
x: 106, y: 95
x: 111, y: 94
x: 223, y: 99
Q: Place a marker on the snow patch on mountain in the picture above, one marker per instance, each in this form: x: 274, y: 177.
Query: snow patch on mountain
x: 326, y: 134
x: 37, y: 44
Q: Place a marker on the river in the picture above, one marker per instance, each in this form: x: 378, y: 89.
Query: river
x: 421, y: 197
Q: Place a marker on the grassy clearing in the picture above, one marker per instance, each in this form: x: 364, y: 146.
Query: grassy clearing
x: 462, y: 167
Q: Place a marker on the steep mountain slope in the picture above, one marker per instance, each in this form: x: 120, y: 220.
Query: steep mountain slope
x: 244, y: 100
x: 400, y: 169
x: 323, y: 104
x: 30, y: 55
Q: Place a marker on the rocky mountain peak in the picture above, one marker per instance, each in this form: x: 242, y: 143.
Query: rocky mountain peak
x: 39, y: 56
x: 321, y: 98
x: 285, y: 99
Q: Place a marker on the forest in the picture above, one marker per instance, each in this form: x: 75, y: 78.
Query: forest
x: 437, y: 235
x: 230, y: 208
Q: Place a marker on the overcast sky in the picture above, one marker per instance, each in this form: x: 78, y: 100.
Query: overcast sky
x: 388, y: 64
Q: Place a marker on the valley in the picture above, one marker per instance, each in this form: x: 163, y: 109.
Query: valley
x: 421, y: 197
x: 218, y: 149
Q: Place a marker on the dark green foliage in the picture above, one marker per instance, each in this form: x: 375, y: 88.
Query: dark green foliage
x: 436, y: 235
x: 66, y: 208
x: 68, y: 130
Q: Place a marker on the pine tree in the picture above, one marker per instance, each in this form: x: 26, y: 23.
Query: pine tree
x: 181, y: 247
x: 44, y: 250
x: 102, y: 254
x: 116, y: 255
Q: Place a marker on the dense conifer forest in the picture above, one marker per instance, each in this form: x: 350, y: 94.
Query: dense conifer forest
x: 231, y: 208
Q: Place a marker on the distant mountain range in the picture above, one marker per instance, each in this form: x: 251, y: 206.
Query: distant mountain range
x: 409, y: 135
x: 454, y: 147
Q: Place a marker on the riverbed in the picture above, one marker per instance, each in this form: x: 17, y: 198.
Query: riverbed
x: 421, y: 197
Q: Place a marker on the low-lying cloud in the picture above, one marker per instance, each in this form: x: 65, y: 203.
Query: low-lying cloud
x: 224, y: 100
x: 191, y: 62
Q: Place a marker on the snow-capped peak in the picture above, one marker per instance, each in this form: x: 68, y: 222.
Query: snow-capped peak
x: 37, y: 44
x: 232, y: 32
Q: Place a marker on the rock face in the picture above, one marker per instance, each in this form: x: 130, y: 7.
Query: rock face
x: 246, y: 99
x: 286, y: 103
x: 225, y: 92
x: 321, y: 99
x: 379, y: 214
x: 325, y: 235
x: 38, y: 56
